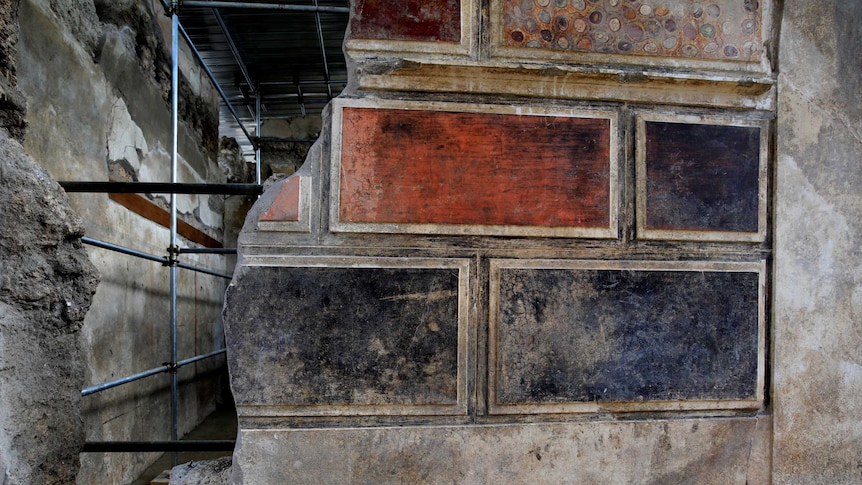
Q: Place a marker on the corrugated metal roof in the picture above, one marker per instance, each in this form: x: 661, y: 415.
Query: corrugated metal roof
x: 293, y: 59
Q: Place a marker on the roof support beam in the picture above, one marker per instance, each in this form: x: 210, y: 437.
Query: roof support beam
x: 216, y: 83
x: 233, y: 49
x: 322, y: 51
x: 266, y: 6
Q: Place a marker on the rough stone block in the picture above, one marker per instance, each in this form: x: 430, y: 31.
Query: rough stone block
x: 702, y: 451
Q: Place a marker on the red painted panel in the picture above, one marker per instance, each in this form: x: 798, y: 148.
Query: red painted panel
x: 430, y: 167
x: 416, y: 20
x: 285, y: 207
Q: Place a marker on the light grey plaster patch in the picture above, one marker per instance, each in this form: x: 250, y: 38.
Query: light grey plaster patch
x: 817, y: 385
x: 818, y: 280
x: 703, y: 451
x: 826, y: 35
x: 60, y: 105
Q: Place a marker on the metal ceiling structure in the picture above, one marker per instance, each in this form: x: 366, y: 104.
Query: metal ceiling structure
x: 286, y: 57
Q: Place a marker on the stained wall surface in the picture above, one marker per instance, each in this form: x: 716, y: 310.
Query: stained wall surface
x: 532, y: 245
x: 93, y: 76
x: 706, y: 334
x: 817, y: 364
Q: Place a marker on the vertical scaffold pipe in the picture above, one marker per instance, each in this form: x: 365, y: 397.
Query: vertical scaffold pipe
x: 175, y: 84
x: 257, y: 157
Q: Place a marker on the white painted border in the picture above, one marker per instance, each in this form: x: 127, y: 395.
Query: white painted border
x: 335, y: 224
x: 496, y: 265
x: 699, y: 235
x: 462, y: 265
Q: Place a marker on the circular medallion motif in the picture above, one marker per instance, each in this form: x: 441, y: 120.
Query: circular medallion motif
x: 708, y: 29
x: 713, y: 11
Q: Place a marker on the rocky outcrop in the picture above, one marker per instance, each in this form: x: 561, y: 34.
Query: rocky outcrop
x: 212, y: 472
x: 46, y: 284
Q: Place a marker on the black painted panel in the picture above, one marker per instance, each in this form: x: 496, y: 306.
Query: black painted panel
x: 568, y: 335
x: 340, y: 336
x: 702, y: 177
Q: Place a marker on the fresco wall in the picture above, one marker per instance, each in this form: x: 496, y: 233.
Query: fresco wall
x: 526, y: 223
x: 708, y: 30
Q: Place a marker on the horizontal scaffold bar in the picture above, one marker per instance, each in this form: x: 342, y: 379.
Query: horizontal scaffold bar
x: 152, y: 257
x: 147, y: 373
x: 160, y: 188
x: 142, y: 446
x: 265, y: 6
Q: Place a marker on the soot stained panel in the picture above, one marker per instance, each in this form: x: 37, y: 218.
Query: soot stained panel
x: 702, y: 177
x: 576, y: 335
x: 346, y: 336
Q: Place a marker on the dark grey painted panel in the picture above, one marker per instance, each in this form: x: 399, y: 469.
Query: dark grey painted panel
x: 344, y: 336
x: 702, y: 177
x: 575, y: 335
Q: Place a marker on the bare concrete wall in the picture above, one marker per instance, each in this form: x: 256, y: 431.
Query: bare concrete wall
x: 96, y: 79
x: 818, y: 297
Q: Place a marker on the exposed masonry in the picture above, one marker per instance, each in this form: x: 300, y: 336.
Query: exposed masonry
x: 603, y: 254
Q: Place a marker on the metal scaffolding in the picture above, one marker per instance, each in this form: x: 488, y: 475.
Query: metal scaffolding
x: 174, y: 187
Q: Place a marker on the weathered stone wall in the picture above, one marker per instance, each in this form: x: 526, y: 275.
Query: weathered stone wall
x: 817, y: 383
x: 95, y: 76
x: 531, y: 246
x: 11, y: 101
x: 286, y: 143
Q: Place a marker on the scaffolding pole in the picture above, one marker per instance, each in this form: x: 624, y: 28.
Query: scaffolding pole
x: 322, y: 51
x: 165, y: 261
x: 207, y: 250
x: 147, y: 373
x: 233, y: 49
x: 150, y: 446
x: 257, y: 155
x: 173, y: 248
x: 214, y: 81
x: 265, y: 6
x: 160, y: 188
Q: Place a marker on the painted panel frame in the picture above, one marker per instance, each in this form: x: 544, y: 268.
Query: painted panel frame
x: 303, y: 222
x: 609, y: 232
x: 466, y: 47
x: 465, y: 338
x: 703, y: 235
x: 758, y: 64
x: 495, y: 407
